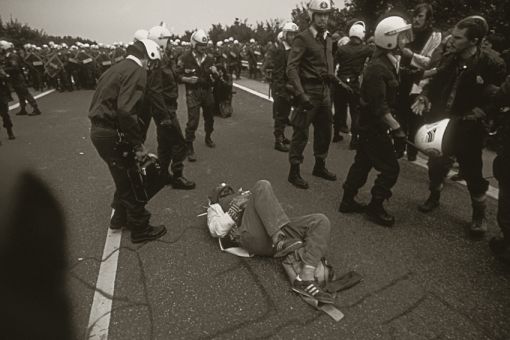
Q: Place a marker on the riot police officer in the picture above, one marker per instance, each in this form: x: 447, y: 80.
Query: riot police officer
x: 116, y: 111
x: 197, y: 71
x: 310, y: 70
x: 375, y: 148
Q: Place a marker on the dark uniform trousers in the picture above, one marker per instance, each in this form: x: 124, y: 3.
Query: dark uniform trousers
x: 24, y: 96
x: 501, y: 170
x: 4, y: 112
x: 376, y: 151
x: 468, y: 155
x: 320, y: 116
x: 124, y: 200
x: 281, y: 111
x: 171, y: 147
x: 342, y: 99
x: 197, y: 98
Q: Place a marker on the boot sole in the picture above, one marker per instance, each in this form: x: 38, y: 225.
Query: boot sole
x: 379, y: 222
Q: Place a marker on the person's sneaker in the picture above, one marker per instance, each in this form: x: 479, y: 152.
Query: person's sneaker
x: 183, y: 183
x: 313, y: 290
x: 118, y: 220
x: 150, y: 233
x: 286, y: 246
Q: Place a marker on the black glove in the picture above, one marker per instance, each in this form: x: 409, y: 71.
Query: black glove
x: 305, y: 102
x: 399, y: 142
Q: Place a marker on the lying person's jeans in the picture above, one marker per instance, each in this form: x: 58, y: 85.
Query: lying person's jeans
x: 264, y: 216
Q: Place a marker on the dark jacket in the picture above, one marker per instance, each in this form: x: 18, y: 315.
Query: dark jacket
x: 279, y: 56
x: 378, y: 92
x: 117, y: 101
x: 187, y: 66
x: 310, y: 61
x: 474, y: 77
x: 161, y: 94
x: 351, y: 60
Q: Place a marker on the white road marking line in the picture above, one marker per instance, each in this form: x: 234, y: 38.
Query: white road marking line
x: 100, y: 312
x: 491, y: 192
x: 13, y: 106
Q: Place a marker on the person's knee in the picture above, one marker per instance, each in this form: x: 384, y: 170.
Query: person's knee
x: 262, y: 185
x: 323, y: 221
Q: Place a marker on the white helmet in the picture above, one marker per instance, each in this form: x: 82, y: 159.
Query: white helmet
x: 343, y: 41
x: 160, y: 35
x: 199, y: 37
x: 252, y: 41
x: 151, y: 48
x: 225, y: 41
x: 5, y: 45
x: 290, y: 27
x: 387, y: 32
x: 319, y: 6
x: 432, y: 139
x: 140, y: 34
x: 231, y: 39
x: 219, y: 43
x: 86, y: 45
x: 357, y: 30
x: 210, y: 43
x: 236, y: 41
x: 45, y: 46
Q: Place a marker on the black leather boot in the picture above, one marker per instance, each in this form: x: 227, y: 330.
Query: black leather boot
x: 36, y: 112
x: 295, y: 177
x: 376, y: 213
x: 431, y: 203
x: 478, y: 225
x: 149, y: 233
x: 181, y: 182
x: 320, y: 170
x: 280, y: 145
x: 350, y: 205
x: 191, y: 152
x: 22, y: 112
x: 10, y: 133
x: 208, y: 141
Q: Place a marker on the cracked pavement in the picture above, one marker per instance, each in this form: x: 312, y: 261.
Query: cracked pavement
x: 423, y: 279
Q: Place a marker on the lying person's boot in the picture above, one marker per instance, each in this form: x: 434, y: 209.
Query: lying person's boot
x: 350, y: 205
x: 286, y: 246
x: 320, y: 170
x: 376, y: 212
x: 295, y: 177
x: 10, y: 133
x: 313, y: 290
x: 149, y: 233
x: 431, y: 203
x: 118, y: 220
x: 181, y: 182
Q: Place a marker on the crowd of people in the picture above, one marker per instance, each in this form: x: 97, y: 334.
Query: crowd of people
x: 404, y: 76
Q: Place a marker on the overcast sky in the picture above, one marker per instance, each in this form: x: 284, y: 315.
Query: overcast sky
x: 116, y: 20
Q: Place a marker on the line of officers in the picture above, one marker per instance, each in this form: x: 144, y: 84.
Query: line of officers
x: 409, y: 76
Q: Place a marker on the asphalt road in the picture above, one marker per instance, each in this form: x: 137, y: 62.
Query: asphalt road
x: 423, y: 278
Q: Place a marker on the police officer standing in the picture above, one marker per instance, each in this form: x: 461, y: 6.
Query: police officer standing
x: 378, y: 100
x: 116, y: 111
x: 198, y: 72
x: 5, y: 96
x: 279, y: 85
x: 161, y: 101
x: 455, y: 92
x: 310, y: 70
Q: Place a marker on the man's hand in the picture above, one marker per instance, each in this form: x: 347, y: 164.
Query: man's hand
x: 305, y: 102
x: 241, y: 200
x: 407, y: 52
x: 140, y: 153
x: 421, y: 105
x: 399, y: 142
x: 475, y: 114
x: 214, y: 70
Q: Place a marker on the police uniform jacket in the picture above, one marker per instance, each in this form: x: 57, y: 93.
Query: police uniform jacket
x: 351, y: 60
x: 13, y: 67
x: 161, y: 94
x: 117, y: 101
x: 188, y: 66
x: 5, y: 92
x: 278, y: 56
x: 378, y: 92
x: 310, y: 59
x: 457, y: 87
